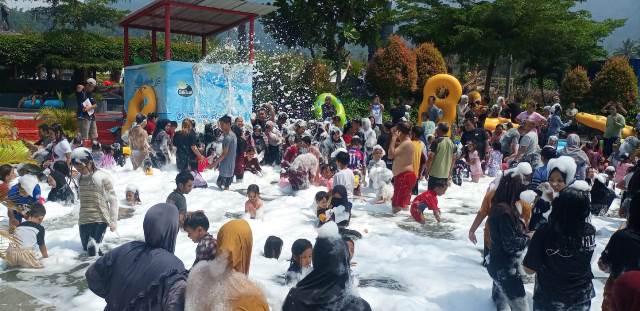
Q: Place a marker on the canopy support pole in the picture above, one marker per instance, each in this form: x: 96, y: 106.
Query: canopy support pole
x: 126, y: 46
x: 252, y: 31
x: 167, y: 31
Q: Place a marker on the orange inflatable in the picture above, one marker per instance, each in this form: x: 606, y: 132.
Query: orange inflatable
x: 144, y: 102
x: 447, y: 104
x: 600, y: 122
x: 491, y: 123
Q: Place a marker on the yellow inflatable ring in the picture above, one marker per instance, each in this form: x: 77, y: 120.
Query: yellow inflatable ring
x: 600, y: 122
x: 447, y: 104
x: 491, y: 123
x: 317, y: 106
x: 144, y: 102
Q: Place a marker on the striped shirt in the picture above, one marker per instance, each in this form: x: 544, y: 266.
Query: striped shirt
x: 94, y: 206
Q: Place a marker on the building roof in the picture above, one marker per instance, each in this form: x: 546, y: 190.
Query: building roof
x: 195, y: 17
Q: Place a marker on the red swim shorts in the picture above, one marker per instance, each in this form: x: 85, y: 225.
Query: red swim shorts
x: 403, y: 184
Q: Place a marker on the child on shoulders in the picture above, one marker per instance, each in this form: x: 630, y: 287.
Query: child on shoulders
x: 254, y: 204
x: 29, y: 234
x: 196, y: 224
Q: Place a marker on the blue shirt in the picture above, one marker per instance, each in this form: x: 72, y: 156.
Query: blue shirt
x: 18, y: 200
x: 539, y: 176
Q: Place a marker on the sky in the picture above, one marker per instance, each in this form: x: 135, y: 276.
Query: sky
x: 601, y: 9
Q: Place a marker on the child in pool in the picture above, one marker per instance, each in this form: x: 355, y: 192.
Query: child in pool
x: 376, y: 158
x: 475, y: 164
x: 97, y: 153
x: 495, y: 160
x: 196, y: 224
x: 300, y: 266
x: 327, y: 171
x: 132, y: 195
x: 428, y: 200
x: 323, y: 210
x: 254, y: 204
x: 30, y: 233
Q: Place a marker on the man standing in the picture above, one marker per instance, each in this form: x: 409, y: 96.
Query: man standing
x: 440, y: 159
x: 403, y: 176
x: 528, y: 151
x: 85, y: 110
x: 435, y: 113
x: 614, y: 126
x: 227, y: 160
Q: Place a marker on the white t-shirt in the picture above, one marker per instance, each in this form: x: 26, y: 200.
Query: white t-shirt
x: 345, y: 177
x: 30, y: 234
x: 376, y: 111
x: 60, y: 150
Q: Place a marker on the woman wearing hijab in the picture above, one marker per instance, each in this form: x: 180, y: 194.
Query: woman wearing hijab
x: 143, y: 275
x: 339, y: 198
x: 222, y: 284
x: 574, y: 150
x: 325, y: 288
x: 332, y: 143
x: 60, y: 190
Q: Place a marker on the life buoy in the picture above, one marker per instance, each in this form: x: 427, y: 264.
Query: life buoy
x: 143, y: 101
x: 447, y: 104
x: 600, y: 123
x: 491, y: 123
x: 317, y: 107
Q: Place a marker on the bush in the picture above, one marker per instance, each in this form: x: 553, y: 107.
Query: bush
x: 356, y: 108
x: 615, y: 82
x: 392, y: 70
x: 575, y: 86
x: 65, y: 117
x: 429, y: 62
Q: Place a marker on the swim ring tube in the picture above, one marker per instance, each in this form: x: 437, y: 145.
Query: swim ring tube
x: 447, y: 104
x: 317, y: 107
x: 491, y: 123
x: 600, y: 122
x: 144, y: 102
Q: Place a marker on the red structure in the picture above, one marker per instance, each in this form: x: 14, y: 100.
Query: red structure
x: 192, y: 17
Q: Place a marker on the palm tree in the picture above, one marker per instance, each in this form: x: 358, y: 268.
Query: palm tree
x: 629, y: 48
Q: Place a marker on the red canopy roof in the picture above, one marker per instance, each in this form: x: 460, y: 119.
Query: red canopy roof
x: 195, y: 17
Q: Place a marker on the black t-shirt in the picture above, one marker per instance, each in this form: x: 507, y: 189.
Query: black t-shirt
x: 479, y: 137
x: 397, y: 113
x: 622, y: 252
x: 183, y: 143
x: 511, y: 111
x: 562, y: 274
x: 81, y: 97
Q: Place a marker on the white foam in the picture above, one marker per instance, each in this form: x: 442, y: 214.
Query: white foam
x: 329, y: 230
x: 580, y: 185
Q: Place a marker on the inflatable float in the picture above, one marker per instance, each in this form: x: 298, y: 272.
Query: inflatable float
x: 491, y: 123
x: 447, y: 104
x: 599, y: 123
x: 317, y: 107
x: 52, y: 103
x: 144, y: 102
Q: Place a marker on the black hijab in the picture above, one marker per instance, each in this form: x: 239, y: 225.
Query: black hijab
x: 343, y: 200
x: 325, y: 288
x: 138, y: 275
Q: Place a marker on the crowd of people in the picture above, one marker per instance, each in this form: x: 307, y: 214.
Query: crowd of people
x: 547, y: 181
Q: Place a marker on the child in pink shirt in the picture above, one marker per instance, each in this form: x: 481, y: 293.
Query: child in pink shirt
x: 254, y: 204
x: 475, y: 164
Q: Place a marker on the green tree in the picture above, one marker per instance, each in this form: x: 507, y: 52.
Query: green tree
x: 547, y: 36
x: 575, y: 86
x: 79, y: 15
x: 629, y: 49
x: 429, y: 62
x: 616, y: 81
x: 392, y: 70
x: 326, y: 24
